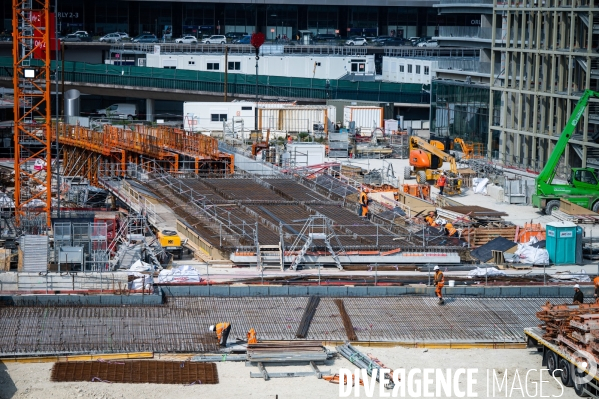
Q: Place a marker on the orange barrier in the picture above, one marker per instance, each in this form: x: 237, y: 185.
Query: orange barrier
x: 529, y: 231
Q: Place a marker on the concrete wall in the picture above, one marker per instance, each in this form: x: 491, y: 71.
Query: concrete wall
x: 80, y: 300
x: 341, y: 291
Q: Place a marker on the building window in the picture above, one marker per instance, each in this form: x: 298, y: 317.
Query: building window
x: 213, y: 66
x: 401, y: 69
x: 426, y: 70
x: 191, y: 62
x: 246, y: 108
x: 417, y: 69
x: 409, y: 68
x: 234, y: 66
x: 218, y: 117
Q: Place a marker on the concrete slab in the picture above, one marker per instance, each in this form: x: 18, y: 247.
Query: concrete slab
x: 397, y: 291
x: 338, y: 291
x: 357, y: 291
x: 278, y: 291
x: 377, y: 291
x: 514, y: 292
x: 490, y: 291
x: 258, y: 290
x: 529, y: 291
x: 239, y: 291
x: 316, y: 290
x: 199, y: 290
x: 219, y: 291
x: 295, y: 290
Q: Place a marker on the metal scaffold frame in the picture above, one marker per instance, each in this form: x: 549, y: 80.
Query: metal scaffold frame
x: 32, y: 108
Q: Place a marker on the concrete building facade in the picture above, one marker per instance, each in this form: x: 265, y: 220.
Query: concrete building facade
x: 544, y: 55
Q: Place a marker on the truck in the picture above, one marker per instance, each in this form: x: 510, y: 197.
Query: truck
x: 426, y: 160
x: 566, y: 365
x: 583, y: 187
x: 171, y: 242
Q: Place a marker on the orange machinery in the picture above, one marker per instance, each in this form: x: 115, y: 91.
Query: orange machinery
x: 262, y: 145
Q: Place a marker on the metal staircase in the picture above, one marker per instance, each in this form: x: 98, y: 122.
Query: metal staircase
x: 317, y: 228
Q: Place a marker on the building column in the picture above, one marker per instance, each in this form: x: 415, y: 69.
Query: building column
x: 150, y: 110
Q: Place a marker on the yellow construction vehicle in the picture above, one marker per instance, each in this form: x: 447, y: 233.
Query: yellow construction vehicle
x: 426, y: 160
x: 171, y: 242
x: 470, y: 150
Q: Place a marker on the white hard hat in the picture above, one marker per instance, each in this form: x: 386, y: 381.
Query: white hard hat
x: 576, y: 286
x: 212, y: 328
x: 436, y: 268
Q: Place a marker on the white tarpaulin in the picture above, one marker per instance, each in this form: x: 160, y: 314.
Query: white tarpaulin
x: 140, y: 266
x: 581, y: 277
x: 480, y: 185
x: 529, y: 254
x: 181, y: 274
x: 140, y: 281
x: 485, y: 271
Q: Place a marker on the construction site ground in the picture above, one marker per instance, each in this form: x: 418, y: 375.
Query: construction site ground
x: 32, y: 380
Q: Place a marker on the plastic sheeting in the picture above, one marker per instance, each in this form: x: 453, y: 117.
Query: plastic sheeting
x: 141, y: 281
x: 181, y: 274
x: 140, y: 266
x: 480, y: 185
x: 485, y: 271
x: 528, y: 253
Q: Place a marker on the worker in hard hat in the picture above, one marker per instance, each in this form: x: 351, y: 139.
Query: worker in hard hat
x: 450, y: 230
x: 439, y: 283
x: 596, y: 282
x: 441, y: 182
x: 578, y: 296
x: 222, y: 332
x: 364, y: 201
x: 431, y: 219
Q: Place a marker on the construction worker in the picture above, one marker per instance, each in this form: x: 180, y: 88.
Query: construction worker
x: 364, y: 201
x: 449, y: 230
x: 596, y: 282
x: 441, y: 181
x: 251, y: 336
x: 431, y: 219
x: 439, y: 283
x: 578, y: 296
x: 222, y: 332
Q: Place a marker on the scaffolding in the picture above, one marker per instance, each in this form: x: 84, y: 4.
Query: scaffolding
x: 82, y: 246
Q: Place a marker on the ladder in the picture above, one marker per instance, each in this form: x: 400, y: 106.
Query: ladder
x: 318, y: 228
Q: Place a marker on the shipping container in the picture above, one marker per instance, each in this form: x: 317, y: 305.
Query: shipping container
x: 304, y: 154
x: 366, y: 118
x: 297, y: 119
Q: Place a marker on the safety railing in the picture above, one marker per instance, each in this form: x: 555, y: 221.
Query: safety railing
x: 117, y: 77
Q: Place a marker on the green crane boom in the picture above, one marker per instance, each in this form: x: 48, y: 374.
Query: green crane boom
x: 583, y: 188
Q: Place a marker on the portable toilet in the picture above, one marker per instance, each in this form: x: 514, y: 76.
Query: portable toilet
x: 561, y: 242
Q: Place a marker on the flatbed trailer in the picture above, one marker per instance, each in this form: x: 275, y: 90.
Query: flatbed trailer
x: 569, y: 367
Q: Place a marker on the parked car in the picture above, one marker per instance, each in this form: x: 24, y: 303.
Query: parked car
x: 428, y: 43
x: 111, y: 38
x: 81, y: 32
x: 215, y: 39
x: 244, y: 40
x: 232, y: 36
x: 356, y: 41
x: 187, y: 40
x: 146, y: 38
x: 392, y: 41
x: 123, y: 35
x: 71, y: 38
x: 128, y: 111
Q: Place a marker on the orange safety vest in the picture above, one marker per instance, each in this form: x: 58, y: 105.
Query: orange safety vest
x: 252, y: 338
x: 220, y: 327
x: 439, y: 277
x: 431, y: 221
x: 363, y: 198
x: 441, y: 181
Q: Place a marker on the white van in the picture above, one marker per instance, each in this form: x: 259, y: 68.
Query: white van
x: 124, y: 111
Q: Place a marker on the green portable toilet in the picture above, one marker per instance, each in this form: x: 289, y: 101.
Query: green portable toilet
x: 561, y: 242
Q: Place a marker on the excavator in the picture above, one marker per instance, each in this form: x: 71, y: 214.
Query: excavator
x: 468, y: 149
x: 583, y: 184
x: 426, y: 159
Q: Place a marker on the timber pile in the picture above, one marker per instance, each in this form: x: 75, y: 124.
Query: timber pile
x: 286, y: 351
x: 571, y: 326
x: 479, y: 236
x: 570, y: 212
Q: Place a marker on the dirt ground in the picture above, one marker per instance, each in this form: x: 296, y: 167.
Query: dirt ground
x: 32, y: 380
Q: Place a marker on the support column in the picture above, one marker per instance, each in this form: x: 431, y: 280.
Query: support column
x: 150, y: 110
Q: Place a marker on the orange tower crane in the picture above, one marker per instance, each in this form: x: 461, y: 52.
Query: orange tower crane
x: 31, y: 22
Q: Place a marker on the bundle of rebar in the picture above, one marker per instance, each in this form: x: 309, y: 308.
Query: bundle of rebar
x: 347, y: 324
x: 362, y: 361
x: 290, y: 351
x: 309, y: 311
x: 136, y: 372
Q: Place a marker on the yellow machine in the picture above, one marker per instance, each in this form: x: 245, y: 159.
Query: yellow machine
x: 171, y: 242
x: 470, y: 150
x: 426, y: 160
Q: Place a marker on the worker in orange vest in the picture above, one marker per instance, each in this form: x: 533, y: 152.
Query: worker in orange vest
x: 450, y: 230
x: 252, y: 338
x: 222, y: 332
x: 596, y: 282
x: 431, y: 219
x: 364, y: 201
x: 439, y: 283
x: 441, y: 181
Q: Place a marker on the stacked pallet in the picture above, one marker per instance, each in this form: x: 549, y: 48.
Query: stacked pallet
x: 479, y: 236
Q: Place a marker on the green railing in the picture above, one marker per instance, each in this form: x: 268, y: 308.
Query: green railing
x: 238, y: 84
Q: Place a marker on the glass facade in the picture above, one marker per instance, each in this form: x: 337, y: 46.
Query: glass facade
x: 239, y: 18
x: 460, y: 109
x: 363, y: 21
x: 156, y: 18
x: 108, y: 17
x: 323, y: 19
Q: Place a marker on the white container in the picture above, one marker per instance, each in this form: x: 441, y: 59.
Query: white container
x: 451, y: 283
x: 366, y: 118
x: 391, y: 126
x: 298, y: 118
x: 305, y: 154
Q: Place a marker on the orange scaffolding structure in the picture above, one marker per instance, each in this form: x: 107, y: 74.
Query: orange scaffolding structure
x: 88, y: 151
